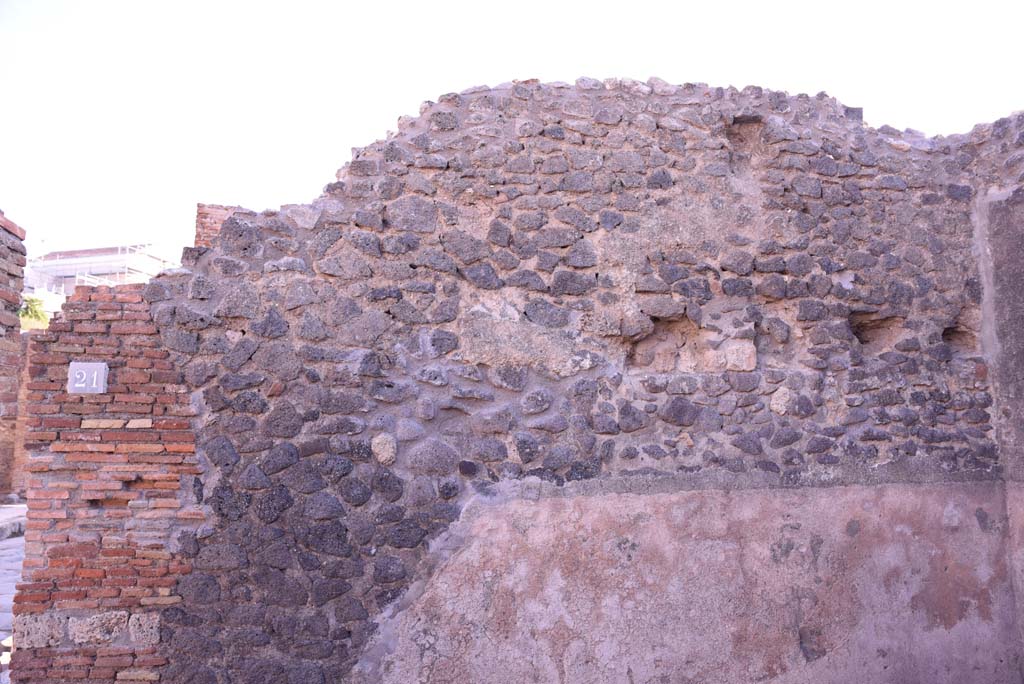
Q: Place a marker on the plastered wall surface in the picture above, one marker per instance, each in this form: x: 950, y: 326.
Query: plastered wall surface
x: 892, y: 583
x: 722, y: 373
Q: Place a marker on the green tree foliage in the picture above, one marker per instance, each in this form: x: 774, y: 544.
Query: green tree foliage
x: 32, y: 310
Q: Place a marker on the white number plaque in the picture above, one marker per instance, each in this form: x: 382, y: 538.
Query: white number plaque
x: 87, y: 377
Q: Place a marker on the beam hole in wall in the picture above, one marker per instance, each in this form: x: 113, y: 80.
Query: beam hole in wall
x: 962, y: 341
x: 743, y: 135
x: 875, y: 332
x: 744, y: 131
x: 662, y: 350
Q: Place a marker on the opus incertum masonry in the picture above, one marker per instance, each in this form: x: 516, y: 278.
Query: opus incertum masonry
x: 612, y: 382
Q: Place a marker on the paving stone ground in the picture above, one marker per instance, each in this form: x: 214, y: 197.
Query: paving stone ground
x: 12, y: 552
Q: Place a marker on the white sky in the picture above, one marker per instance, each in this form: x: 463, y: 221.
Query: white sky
x: 116, y: 117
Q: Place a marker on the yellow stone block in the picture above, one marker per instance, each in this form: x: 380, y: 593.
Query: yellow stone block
x: 102, y: 424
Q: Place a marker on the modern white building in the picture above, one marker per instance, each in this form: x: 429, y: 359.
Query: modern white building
x: 54, y: 276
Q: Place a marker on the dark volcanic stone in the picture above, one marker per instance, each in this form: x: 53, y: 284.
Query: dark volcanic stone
x: 777, y: 328
x: 818, y: 444
x: 282, y: 421
x: 811, y: 310
x: 631, y: 418
x: 271, y: 326
x: 330, y: 538
x: 536, y: 401
x: 489, y: 450
x: 572, y: 283
x: 584, y: 470
x: 249, y: 402
x: 679, y: 411
x: 327, y: 589
x: 442, y: 342
x: 660, y: 180
x: 482, y: 275
x: 434, y: 457
x: 784, y: 437
x: 221, y: 557
x: 199, y: 589
x: 528, y: 280
x: 221, y: 451
x: 448, y: 488
x: 354, y: 491
x: 304, y: 478
x: 323, y: 506
x: 749, y: 443
x: 527, y: 447
x: 271, y: 504
x: 559, y: 456
x: 280, y: 457
x: 543, y: 312
x: 406, y: 535
x: 388, y: 569
x: 412, y: 213
x: 253, y: 478
x: 465, y: 247
x: 581, y: 255
x: 388, y: 485
x: 739, y: 262
x: 510, y: 377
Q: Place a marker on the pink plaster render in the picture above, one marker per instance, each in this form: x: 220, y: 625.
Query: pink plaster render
x: 898, y: 583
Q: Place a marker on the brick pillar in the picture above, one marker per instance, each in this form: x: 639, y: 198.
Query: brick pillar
x: 108, y: 482
x: 209, y: 219
x: 19, y: 463
x: 12, y: 265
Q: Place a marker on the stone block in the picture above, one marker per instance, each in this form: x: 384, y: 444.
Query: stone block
x: 98, y: 629
x: 39, y: 630
x: 102, y: 424
x: 138, y: 675
x: 384, y: 449
x: 739, y: 355
x: 144, y: 628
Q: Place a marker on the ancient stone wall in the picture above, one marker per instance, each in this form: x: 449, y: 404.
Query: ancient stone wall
x: 544, y: 344
x: 12, y: 265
